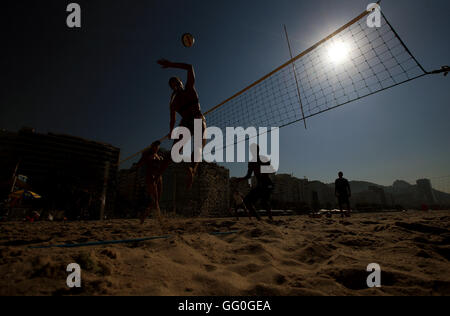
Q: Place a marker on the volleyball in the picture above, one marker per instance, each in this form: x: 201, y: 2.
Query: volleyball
x: 188, y: 40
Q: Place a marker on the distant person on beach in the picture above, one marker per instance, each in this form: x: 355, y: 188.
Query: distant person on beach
x: 153, y: 162
x: 264, y: 187
x: 343, y: 193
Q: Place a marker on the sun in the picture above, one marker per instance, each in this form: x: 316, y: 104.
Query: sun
x: 338, y: 52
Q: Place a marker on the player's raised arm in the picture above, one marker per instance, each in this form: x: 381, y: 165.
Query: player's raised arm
x: 189, y: 68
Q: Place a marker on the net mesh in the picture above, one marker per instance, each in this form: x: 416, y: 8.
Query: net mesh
x: 354, y: 63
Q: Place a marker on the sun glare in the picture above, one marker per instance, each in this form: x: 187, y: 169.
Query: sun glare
x: 338, y: 52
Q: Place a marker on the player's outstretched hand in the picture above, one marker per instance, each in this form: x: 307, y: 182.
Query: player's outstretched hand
x: 164, y: 63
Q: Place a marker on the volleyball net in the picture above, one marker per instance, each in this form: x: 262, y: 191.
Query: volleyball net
x: 352, y: 63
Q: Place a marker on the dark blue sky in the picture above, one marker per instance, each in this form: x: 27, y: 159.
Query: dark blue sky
x: 102, y: 82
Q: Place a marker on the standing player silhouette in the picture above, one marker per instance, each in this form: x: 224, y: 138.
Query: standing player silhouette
x: 264, y: 187
x: 154, y: 164
x: 343, y: 193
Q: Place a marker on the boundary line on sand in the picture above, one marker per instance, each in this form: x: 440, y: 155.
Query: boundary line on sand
x: 125, y: 241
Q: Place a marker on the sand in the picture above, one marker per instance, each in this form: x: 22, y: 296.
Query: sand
x: 292, y: 256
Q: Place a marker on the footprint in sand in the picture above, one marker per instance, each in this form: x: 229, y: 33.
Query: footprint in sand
x: 420, y: 228
x: 246, y: 269
x: 250, y: 249
x: 369, y: 223
x: 443, y: 251
x: 313, y: 254
x: 210, y: 268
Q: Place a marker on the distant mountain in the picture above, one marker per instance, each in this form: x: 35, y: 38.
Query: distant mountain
x: 400, y: 192
x: 361, y: 186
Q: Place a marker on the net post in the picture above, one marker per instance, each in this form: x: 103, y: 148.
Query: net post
x: 295, y: 76
x: 104, y: 191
